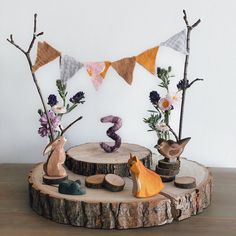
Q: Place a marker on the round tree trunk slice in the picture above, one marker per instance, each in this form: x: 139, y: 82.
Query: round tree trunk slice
x: 90, y: 159
x: 94, y: 181
x: 114, y: 183
x: 167, y: 172
x: 53, y: 180
x: 169, y: 165
x: 185, y: 182
x: 103, y: 209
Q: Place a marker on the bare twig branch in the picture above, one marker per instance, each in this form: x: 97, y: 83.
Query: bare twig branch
x: 27, y: 54
x: 194, y: 82
x: 39, y: 34
x: 72, y: 123
x: 196, y: 23
x: 16, y: 45
x: 185, y: 18
x: 35, y: 22
x: 185, y: 77
x: 35, y: 35
x: 60, y: 128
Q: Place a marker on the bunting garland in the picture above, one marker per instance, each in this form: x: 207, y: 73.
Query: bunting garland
x: 94, y: 70
x: 147, y: 59
x: 107, y: 66
x: 177, y: 42
x: 98, y: 70
x: 125, y: 68
x: 45, y: 54
x: 68, y: 67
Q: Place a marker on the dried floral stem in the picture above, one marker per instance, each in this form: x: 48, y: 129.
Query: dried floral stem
x: 189, y: 29
x: 27, y: 54
x: 173, y: 132
x: 72, y: 123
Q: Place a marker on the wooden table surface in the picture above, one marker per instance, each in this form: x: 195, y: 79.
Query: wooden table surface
x: 17, y: 218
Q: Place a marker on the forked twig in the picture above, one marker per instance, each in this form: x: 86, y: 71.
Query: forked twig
x: 27, y: 54
x: 189, y: 29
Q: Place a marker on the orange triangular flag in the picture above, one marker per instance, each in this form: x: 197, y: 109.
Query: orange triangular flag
x: 125, y: 68
x: 147, y: 59
x: 45, y: 54
x: 107, y: 65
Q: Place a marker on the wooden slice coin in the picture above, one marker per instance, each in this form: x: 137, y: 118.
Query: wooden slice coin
x: 114, y: 183
x: 53, y: 180
x: 166, y: 178
x: 168, y: 172
x: 94, y: 181
x: 185, y: 182
x: 169, y: 165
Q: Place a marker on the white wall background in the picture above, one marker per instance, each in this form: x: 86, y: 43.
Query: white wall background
x: 97, y: 30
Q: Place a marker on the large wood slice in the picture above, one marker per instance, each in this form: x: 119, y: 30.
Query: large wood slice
x: 188, y: 202
x: 100, y: 208
x: 90, y: 159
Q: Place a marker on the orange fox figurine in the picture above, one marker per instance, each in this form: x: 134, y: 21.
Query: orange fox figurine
x: 54, y: 166
x: 146, y: 183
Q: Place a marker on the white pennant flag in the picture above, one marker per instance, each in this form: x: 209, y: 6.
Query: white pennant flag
x: 177, y: 42
x: 69, y: 66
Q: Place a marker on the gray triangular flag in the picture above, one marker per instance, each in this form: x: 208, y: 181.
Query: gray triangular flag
x: 69, y: 66
x: 178, y: 42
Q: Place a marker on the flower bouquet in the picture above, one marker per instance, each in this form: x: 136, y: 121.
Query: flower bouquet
x: 159, y: 121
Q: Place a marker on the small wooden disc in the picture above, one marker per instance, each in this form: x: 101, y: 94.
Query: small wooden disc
x: 113, y: 183
x: 166, y: 178
x: 185, y: 182
x: 53, y: 180
x: 94, y: 181
x: 167, y: 172
x: 169, y: 165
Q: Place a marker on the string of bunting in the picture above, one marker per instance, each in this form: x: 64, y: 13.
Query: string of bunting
x: 69, y: 66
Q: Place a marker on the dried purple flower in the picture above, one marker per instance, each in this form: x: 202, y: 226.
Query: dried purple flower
x: 76, y: 99
x: 52, y: 100
x: 154, y: 97
x: 44, y: 130
x: 183, y: 84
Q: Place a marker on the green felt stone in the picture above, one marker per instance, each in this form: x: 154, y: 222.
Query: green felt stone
x: 71, y: 187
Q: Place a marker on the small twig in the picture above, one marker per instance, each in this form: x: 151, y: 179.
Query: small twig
x: 185, y: 77
x: 60, y: 128
x: 72, y: 123
x: 185, y: 18
x: 194, y: 82
x: 27, y: 54
x: 35, y: 22
x: 16, y: 45
x: 196, y: 23
x: 173, y: 132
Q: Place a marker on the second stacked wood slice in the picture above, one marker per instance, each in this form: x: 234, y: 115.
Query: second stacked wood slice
x: 167, y: 170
